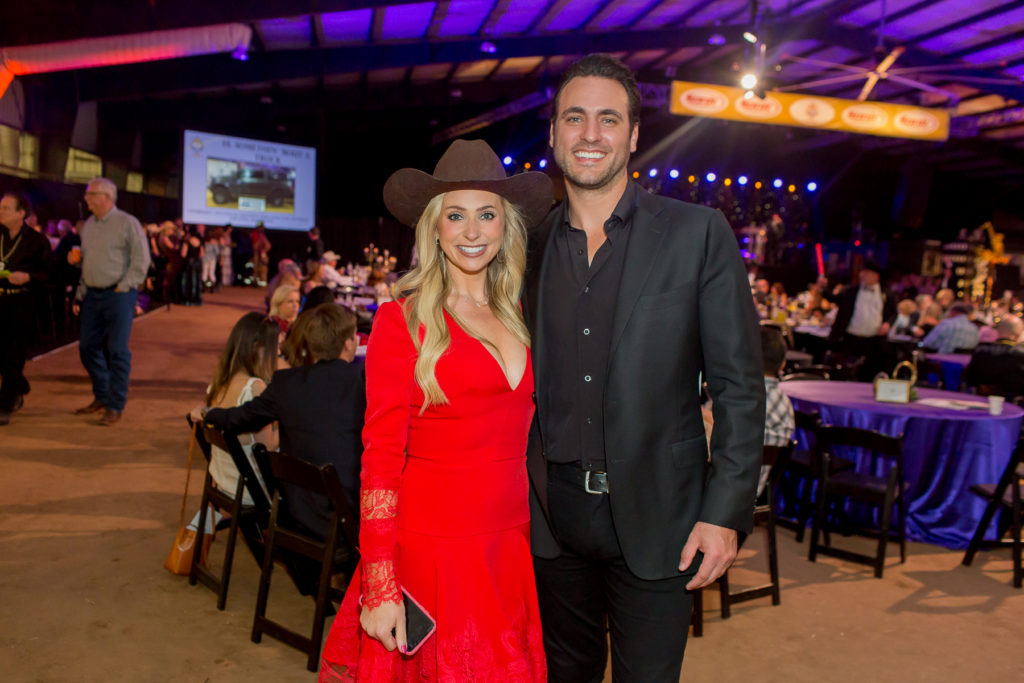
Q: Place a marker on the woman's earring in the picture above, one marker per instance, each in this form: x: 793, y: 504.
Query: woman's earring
x: 437, y: 241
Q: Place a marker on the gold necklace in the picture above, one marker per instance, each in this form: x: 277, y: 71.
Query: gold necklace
x: 3, y: 256
x: 478, y: 304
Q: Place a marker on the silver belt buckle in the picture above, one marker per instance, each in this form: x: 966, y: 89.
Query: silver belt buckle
x: 586, y: 484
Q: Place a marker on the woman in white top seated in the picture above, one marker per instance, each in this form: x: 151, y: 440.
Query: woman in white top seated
x: 245, y: 366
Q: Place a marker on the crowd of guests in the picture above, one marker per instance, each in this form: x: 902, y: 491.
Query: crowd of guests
x: 873, y: 324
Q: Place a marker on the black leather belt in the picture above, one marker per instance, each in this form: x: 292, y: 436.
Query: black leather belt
x: 589, y: 480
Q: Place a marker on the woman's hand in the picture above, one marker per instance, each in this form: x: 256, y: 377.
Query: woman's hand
x: 198, y: 413
x: 380, y: 621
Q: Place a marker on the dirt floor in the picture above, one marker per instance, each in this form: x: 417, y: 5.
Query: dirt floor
x: 88, y: 514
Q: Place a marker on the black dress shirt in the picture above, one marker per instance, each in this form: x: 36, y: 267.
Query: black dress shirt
x: 578, y: 307
x: 31, y: 255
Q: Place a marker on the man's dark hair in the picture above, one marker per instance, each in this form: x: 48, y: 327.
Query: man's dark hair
x: 21, y: 202
x: 314, y: 232
x: 319, y: 334
x: 773, y: 350
x: 604, y: 66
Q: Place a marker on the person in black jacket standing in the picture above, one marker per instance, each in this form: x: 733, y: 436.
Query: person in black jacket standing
x: 630, y: 299
x: 24, y: 264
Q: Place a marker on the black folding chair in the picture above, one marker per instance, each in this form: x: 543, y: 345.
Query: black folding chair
x: 337, y: 550
x: 775, y: 457
x: 884, y: 492
x: 250, y: 519
x: 1005, y: 495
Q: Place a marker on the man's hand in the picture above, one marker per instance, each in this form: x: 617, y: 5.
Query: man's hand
x: 18, y: 278
x: 76, y: 307
x: 380, y: 621
x: 883, y: 329
x: 719, y: 546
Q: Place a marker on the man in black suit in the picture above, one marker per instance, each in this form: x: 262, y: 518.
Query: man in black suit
x: 998, y: 368
x: 860, y: 327
x: 319, y: 407
x: 631, y: 299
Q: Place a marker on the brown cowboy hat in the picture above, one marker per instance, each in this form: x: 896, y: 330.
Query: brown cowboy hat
x: 467, y: 165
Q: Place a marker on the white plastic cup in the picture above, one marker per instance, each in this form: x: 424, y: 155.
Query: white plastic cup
x: 995, y: 405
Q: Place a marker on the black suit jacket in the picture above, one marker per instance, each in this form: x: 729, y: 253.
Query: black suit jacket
x: 844, y: 313
x: 684, y: 308
x: 320, y: 411
x: 999, y: 367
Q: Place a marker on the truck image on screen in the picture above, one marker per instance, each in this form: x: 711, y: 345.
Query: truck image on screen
x: 229, y: 180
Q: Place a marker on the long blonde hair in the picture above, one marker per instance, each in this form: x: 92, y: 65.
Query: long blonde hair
x: 427, y: 286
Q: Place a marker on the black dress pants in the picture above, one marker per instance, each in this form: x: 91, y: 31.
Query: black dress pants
x: 588, y: 593
x: 17, y: 321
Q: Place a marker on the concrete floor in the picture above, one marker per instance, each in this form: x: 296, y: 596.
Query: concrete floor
x: 88, y: 513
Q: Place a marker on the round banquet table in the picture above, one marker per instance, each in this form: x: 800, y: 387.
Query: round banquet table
x: 944, y: 451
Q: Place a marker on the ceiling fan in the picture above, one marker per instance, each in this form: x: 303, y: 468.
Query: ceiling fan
x: 884, y: 71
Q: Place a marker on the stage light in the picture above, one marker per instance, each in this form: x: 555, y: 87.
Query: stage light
x: 488, y: 47
x: 727, y: 182
x: 527, y: 165
x: 710, y: 177
x: 749, y: 37
x: 692, y: 179
x: 241, y: 53
x: 742, y: 180
x: 777, y: 183
x: 543, y: 163
x: 748, y: 81
x: 791, y: 188
x: 812, y: 186
x: 653, y: 172
x: 716, y: 39
x: 673, y: 174
x: 748, y: 95
x: 636, y: 174
x: 757, y: 185
x: 507, y: 160
x: 856, y: 243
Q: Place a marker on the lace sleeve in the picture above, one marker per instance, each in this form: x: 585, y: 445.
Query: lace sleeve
x: 390, y: 362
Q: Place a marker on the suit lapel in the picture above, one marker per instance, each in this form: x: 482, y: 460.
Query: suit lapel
x: 538, y: 259
x: 645, y: 236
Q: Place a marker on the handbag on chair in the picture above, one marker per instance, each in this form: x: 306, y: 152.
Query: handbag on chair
x: 179, y: 560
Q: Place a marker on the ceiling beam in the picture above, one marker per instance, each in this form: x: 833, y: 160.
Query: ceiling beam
x: 137, y: 80
x: 48, y: 21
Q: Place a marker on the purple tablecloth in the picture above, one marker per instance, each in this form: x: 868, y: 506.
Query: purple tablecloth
x: 944, y: 451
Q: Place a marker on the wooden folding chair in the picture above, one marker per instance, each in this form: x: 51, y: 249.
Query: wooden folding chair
x: 884, y: 492
x: 775, y: 457
x: 251, y: 519
x: 342, y: 535
x: 1005, y: 495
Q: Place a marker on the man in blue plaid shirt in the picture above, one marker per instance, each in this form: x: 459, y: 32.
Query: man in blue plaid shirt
x: 956, y: 331
x: 779, y: 423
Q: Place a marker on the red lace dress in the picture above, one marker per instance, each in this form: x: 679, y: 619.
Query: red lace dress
x: 444, y: 513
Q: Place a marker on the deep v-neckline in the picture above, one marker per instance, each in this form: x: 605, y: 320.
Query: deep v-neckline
x: 495, y: 355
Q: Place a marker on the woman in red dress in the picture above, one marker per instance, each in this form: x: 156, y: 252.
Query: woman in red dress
x: 444, y: 503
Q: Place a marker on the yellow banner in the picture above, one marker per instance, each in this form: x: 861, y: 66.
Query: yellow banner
x: 809, y: 111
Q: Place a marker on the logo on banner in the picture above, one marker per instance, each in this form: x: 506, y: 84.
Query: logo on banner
x: 812, y: 111
x: 757, y: 108
x: 703, y: 100
x: 865, y: 116
x: 916, y: 121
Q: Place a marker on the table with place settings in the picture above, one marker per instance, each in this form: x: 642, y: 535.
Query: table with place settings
x: 949, y: 442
